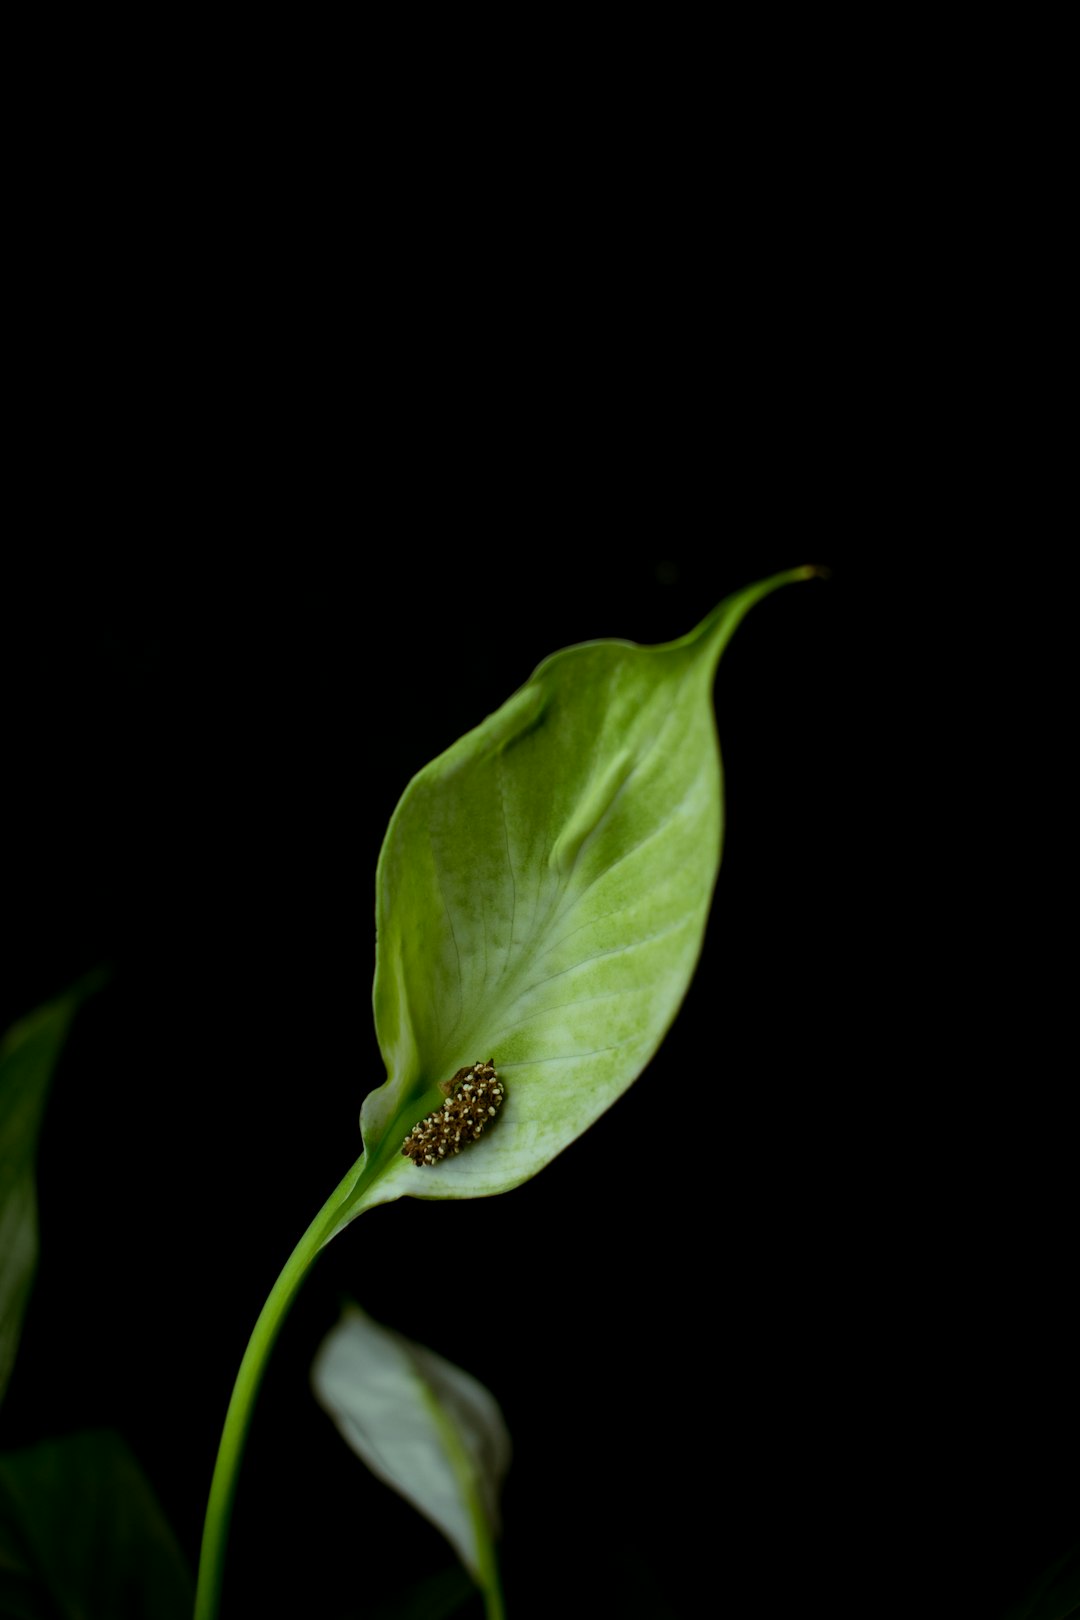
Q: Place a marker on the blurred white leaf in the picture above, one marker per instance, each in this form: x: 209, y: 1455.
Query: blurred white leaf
x: 422, y: 1425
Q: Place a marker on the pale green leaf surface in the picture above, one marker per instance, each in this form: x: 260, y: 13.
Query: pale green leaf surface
x: 422, y: 1425
x: 28, y: 1055
x: 542, y: 896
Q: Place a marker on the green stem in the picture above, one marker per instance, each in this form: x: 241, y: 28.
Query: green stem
x: 461, y: 1463
x: 245, y: 1390
x: 489, y: 1569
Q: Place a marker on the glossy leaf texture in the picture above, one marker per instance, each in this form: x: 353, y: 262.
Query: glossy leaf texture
x: 542, y: 896
x: 28, y: 1056
x: 422, y: 1425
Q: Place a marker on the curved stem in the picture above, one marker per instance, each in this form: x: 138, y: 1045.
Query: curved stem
x: 492, y: 1590
x: 245, y: 1390
x: 487, y: 1573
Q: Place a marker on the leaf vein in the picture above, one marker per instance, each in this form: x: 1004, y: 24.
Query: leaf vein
x: 509, y: 861
x: 453, y: 935
x: 646, y: 754
x: 662, y: 827
x: 558, y: 1006
x: 617, y: 950
x: 571, y: 1057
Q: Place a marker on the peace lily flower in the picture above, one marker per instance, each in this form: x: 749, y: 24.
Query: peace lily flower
x: 541, y: 901
x: 542, y: 896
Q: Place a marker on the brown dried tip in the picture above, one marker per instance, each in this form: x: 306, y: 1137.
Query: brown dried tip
x: 473, y: 1098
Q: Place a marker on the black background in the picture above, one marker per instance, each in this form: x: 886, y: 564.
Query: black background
x: 791, y: 1319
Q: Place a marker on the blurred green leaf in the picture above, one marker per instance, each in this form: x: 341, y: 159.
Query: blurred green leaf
x: 542, y: 896
x: 436, y: 1597
x: 28, y: 1054
x: 1054, y: 1594
x: 422, y: 1425
x: 82, y: 1536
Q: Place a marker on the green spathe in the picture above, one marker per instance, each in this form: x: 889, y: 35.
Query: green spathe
x: 542, y: 896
